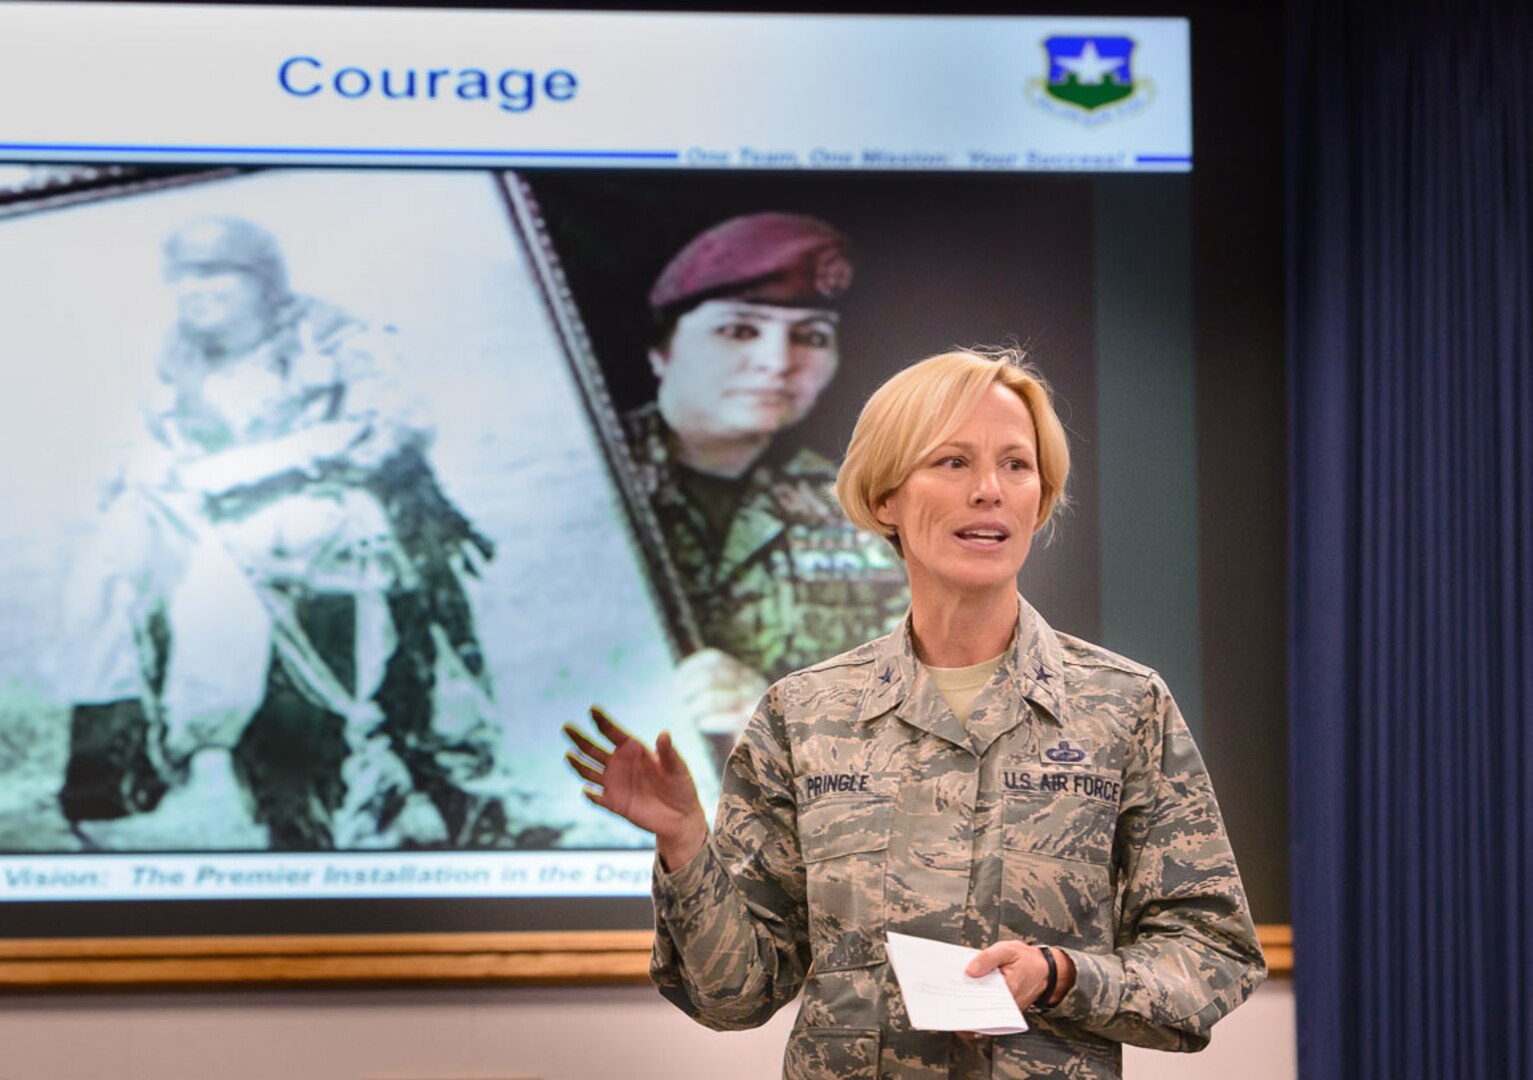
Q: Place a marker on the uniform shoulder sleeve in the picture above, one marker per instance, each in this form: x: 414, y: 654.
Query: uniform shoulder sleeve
x: 731, y: 940
x: 1186, y: 945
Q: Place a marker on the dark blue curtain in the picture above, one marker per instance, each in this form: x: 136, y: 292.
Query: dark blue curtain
x: 1410, y: 230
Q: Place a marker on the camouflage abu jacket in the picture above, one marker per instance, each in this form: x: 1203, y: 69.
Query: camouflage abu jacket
x: 792, y: 581
x: 1074, y: 811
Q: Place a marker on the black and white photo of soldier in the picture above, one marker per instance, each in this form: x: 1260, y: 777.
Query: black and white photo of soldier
x: 275, y: 622
x: 312, y: 541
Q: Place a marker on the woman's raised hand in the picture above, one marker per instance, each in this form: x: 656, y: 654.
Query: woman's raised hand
x: 651, y: 788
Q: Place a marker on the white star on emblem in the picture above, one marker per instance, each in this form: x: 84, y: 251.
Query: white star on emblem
x: 1089, y: 68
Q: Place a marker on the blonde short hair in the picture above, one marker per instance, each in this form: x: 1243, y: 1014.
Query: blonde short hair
x: 918, y: 409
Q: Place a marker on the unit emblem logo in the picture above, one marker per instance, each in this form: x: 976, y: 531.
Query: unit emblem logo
x: 1091, y: 78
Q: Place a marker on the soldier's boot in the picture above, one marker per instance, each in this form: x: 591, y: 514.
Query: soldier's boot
x: 289, y: 759
x: 374, y: 798
x: 110, y: 773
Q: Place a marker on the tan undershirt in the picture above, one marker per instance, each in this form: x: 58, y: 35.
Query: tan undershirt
x: 961, y: 685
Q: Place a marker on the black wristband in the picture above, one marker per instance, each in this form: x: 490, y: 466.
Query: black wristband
x: 1053, y: 983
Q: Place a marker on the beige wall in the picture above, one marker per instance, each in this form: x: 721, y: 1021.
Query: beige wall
x: 552, y: 1034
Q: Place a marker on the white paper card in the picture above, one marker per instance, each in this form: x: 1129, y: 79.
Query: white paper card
x: 940, y: 997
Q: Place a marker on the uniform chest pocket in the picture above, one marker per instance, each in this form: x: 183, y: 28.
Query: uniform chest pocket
x: 844, y: 836
x: 1067, y: 814
x: 1056, y: 877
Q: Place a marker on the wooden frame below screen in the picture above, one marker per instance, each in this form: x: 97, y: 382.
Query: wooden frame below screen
x: 569, y: 958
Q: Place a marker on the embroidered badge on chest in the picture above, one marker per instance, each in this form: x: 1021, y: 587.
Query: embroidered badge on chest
x: 1076, y: 751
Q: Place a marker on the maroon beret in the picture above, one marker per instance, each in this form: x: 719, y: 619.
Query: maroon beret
x: 774, y: 258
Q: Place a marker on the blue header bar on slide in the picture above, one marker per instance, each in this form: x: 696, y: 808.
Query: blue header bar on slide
x: 190, y: 83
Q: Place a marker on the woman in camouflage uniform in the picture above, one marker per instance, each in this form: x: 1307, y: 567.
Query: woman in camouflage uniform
x: 771, y: 573
x: 974, y: 777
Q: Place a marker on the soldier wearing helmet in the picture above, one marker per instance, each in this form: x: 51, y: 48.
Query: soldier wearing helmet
x: 300, y: 497
x: 229, y: 280
x: 773, y: 574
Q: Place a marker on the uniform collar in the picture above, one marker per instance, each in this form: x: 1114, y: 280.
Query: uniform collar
x: 1033, y: 671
